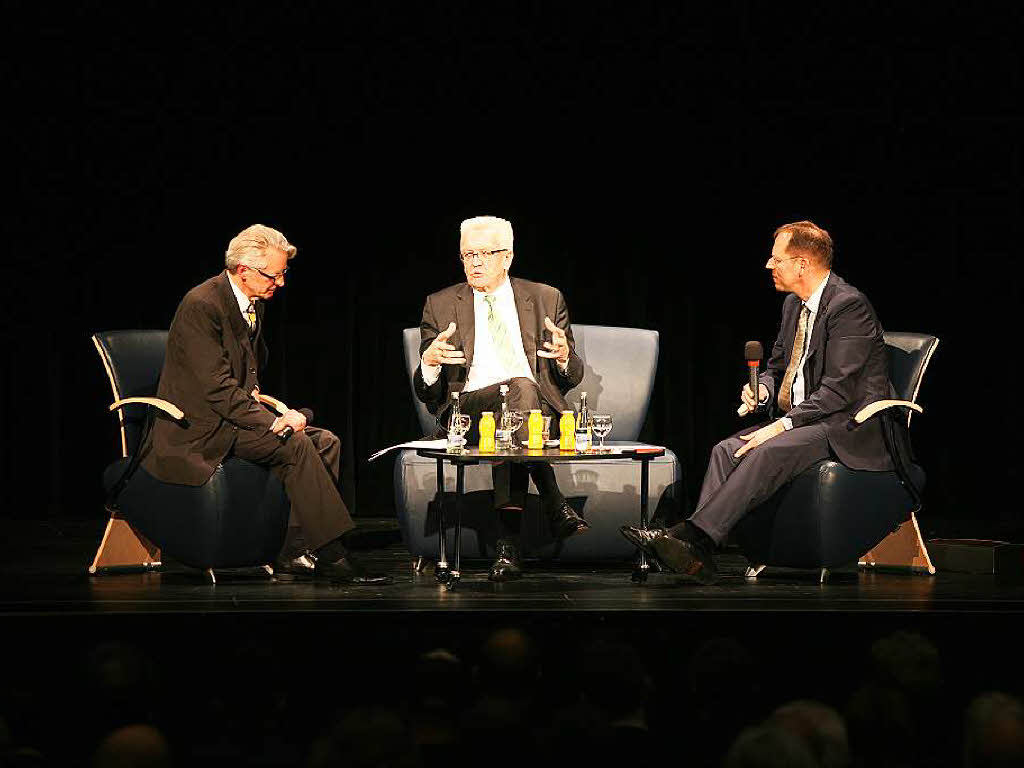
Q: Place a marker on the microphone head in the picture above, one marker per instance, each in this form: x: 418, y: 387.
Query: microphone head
x: 308, y: 413
x: 753, y: 350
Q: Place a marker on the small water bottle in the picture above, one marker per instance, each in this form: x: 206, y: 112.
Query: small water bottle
x: 583, y: 425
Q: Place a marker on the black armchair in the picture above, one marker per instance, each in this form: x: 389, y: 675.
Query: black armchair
x: 238, y: 518
x: 831, y: 515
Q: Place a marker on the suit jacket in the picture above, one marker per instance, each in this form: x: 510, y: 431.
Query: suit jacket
x: 846, y: 368
x: 534, y: 302
x: 210, y: 369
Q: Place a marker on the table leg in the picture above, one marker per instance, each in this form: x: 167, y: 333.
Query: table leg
x: 441, y: 569
x: 643, y: 568
x: 460, y: 489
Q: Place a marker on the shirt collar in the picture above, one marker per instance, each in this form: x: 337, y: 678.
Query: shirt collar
x: 241, y: 298
x: 815, y: 298
x: 503, y: 290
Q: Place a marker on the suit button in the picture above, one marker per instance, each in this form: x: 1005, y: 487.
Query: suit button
x: 234, y: 428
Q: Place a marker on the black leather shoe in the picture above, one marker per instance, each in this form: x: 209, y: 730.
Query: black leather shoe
x: 506, y: 567
x: 290, y: 568
x: 678, y: 555
x: 565, y: 522
x: 345, y: 571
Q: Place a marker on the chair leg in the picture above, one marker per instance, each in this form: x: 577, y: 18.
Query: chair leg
x: 269, y: 569
x: 422, y: 564
x: 903, y: 548
x: 824, y: 576
x: 124, y: 547
x: 753, y: 571
x: 210, y: 577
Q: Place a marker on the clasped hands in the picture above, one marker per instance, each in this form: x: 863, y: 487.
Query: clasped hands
x: 765, y: 433
x: 289, y: 418
x: 441, y: 352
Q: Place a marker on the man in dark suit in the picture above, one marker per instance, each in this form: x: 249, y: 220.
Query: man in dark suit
x: 215, y: 350
x: 828, y: 362
x: 491, y: 331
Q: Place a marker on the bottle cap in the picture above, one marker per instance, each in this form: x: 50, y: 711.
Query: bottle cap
x: 567, y: 413
x: 535, y: 410
x: 487, y: 413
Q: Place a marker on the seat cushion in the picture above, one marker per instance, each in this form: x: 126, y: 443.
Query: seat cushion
x: 237, y: 519
x: 828, y: 516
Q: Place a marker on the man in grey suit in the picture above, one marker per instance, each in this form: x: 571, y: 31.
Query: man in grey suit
x: 215, y: 350
x: 493, y: 330
x: 828, y: 362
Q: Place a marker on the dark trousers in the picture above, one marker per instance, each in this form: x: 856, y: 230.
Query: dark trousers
x: 307, y: 465
x: 732, y: 487
x: 511, y: 479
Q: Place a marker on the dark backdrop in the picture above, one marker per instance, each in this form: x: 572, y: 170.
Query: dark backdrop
x: 644, y: 154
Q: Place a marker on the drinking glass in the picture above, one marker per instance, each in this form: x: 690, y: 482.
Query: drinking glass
x: 601, y: 423
x: 457, y: 428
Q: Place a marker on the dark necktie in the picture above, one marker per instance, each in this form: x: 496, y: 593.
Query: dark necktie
x: 786, y: 392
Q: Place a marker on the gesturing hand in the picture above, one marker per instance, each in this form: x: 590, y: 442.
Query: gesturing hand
x: 763, y: 435
x: 440, y: 352
x: 558, y: 347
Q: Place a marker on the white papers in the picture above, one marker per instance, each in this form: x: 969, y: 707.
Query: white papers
x: 425, y: 444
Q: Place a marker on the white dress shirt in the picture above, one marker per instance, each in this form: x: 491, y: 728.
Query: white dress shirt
x: 243, y: 300
x: 486, y: 368
x: 798, y: 382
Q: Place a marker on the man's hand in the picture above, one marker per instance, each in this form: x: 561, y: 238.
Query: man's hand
x: 440, y: 352
x: 558, y: 347
x: 292, y: 419
x: 748, y: 397
x: 255, y: 393
x: 763, y: 435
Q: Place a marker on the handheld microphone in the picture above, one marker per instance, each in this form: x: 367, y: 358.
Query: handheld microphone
x: 753, y: 352
x: 287, y: 432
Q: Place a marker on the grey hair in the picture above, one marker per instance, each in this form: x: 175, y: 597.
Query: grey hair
x: 249, y: 247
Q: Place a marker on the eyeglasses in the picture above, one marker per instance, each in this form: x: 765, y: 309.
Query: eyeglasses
x: 274, y: 277
x: 469, y: 256
x: 774, y: 261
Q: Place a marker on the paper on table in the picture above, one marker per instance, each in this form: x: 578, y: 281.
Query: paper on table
x: 435, y: 444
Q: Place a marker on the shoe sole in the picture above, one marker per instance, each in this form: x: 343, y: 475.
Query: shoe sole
x: 678, y: 556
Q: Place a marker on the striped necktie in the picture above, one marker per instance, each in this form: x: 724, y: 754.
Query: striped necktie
x: 786, y: 393
x: 499, y: 335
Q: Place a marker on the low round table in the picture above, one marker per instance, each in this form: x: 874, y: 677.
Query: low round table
x: 450, y: 575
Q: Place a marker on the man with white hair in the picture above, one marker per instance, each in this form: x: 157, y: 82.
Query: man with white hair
x: 493, y: 330
x: 215, y: 349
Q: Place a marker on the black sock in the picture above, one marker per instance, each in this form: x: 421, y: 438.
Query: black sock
x: 332, y: 551
x: 697, y: 536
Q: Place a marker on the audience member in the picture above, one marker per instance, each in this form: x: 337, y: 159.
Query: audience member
x: 994, y: 732
x: 133, y: 746
x: 821, y: 729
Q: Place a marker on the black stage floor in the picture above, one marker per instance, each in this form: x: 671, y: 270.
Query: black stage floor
x: 247, y: 635
x: 44, y: 563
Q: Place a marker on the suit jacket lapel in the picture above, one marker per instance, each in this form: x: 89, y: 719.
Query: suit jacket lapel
x: 465, y: 319
x: 527, y: 322
x: 239, y: 327
x: 818, y: 332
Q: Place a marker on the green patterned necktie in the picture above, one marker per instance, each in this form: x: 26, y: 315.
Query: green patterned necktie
x: 499, y: 334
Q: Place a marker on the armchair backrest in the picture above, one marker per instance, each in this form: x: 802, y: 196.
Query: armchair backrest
x: 619, y: 369
x: 909, y: 355
x: 133, y: 361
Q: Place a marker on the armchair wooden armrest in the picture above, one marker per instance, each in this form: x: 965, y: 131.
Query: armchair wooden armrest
x: 169, y: 408
x: 273, y: 402
x: 868, y: 411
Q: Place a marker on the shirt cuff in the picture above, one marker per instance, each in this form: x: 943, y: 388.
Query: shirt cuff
x: 787, y: 423
x: 430, y: 373
x: 763, y: 401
